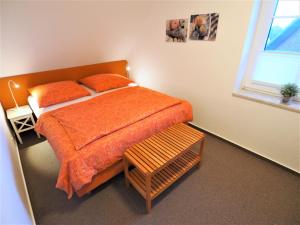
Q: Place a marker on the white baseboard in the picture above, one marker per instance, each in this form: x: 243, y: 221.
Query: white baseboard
x: 244, y: 147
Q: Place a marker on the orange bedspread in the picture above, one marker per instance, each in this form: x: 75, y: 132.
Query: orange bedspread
x: 89, y: 136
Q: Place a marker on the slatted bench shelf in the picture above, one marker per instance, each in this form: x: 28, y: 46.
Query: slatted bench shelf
x: 162, y: 159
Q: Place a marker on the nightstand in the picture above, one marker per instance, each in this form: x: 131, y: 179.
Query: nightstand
x: 21, y: 120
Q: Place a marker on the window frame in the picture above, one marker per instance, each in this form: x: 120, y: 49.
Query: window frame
x: 264, y: 17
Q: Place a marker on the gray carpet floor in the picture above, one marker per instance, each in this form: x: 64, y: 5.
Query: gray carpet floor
x: 231, y: 187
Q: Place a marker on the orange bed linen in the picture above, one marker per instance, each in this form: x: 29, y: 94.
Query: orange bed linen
x: 89, y: 136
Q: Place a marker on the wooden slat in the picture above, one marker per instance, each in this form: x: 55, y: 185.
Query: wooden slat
x: 158, y: 154
x: 138, y: 185
x: 161, y: 156
x: 185, y: 134
x: 173, y: 140
x: 180, y: 161
x: 139, y: 179
x: 168, y: 144
x: 190, y: 130
x: 157, y: 146
x: 134, y: 160
x: 146, y: 151
x: 146, y: 160
x: 179, y: 139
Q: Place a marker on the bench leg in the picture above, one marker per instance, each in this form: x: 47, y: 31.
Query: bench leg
x: 126, y: 171
x: 201, y: 151
x: 148, y: 204
x: 148, y: 193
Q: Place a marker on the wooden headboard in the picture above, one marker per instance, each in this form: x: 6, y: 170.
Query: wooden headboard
x: 32, y: 79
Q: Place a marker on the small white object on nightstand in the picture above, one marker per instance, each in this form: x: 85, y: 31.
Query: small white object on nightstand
x: 21, y: 116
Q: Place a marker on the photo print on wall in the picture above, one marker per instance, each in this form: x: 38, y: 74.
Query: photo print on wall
x: 176, y: 30
x: 204, y: 26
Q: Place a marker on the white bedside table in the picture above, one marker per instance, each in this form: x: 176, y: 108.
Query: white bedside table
x: 21, y: 120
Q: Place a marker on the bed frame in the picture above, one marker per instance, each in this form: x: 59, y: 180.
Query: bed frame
x: 101, y: 178
x: 27, y: 81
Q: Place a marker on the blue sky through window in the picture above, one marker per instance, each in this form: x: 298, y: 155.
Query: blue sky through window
x: 284, y: 34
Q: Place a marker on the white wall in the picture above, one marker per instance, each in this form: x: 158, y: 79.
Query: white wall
x: 15, y: 205
x: 44, y: 35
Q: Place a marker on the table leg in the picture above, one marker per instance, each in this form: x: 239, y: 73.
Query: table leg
x: 148, y: 192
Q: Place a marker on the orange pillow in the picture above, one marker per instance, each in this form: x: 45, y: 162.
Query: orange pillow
x: 57, y: 92
x: 104, y: 82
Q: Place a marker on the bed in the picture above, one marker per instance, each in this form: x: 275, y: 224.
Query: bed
x: 133, y: 113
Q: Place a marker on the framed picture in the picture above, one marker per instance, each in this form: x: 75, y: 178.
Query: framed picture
x: 204, y: 27
x: 176, y: 30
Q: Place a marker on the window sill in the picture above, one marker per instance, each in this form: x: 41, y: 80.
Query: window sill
x: 293, y: 106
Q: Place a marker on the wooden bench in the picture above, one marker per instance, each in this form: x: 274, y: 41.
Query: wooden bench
x: 162, y: 159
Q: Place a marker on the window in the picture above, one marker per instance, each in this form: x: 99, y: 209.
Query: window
x: 284, y: 34
x: 274, y: 51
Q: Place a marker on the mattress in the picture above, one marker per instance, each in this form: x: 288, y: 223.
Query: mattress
x: 32, y: 101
